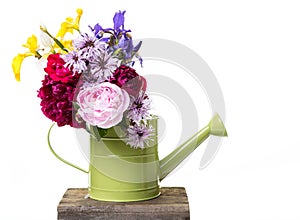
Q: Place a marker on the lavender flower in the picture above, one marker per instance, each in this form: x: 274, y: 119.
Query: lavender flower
x: 88, y: 45
x: 139, y: 108
x: 75, y: 62
x: 103, y: 66
x: 119, y: 20
x: 139, y: 136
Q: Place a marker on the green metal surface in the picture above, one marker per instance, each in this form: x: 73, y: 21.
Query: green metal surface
x: 122, y: 174
x: 170, y: 162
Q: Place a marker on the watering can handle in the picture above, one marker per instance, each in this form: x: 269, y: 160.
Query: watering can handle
x: 58, y: 157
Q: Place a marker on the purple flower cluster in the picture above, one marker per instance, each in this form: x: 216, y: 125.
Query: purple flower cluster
x: 91, y: 58
x: 139, y: 114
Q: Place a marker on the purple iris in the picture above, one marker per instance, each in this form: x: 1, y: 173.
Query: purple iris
x: 118, y: 29
x: 119, y: 20
x: 128, y: 49
x: 98, y: 31
x: 118, y: 39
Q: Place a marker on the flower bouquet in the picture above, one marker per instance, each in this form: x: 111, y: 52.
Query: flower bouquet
x: 90, y: 81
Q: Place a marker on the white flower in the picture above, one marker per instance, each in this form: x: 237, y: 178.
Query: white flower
x: 103, y: 65
x: 75, y: 62
x: 139, y: 136
x: 46, y: 41
x: 139, y: 109
x: 88, y: 46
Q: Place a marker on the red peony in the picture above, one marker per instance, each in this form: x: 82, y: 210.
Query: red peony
x: 57, y: 70
x: 127, y: 78
x: 56, y: 102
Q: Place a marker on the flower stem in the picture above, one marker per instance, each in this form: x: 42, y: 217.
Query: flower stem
x: 44, y: 29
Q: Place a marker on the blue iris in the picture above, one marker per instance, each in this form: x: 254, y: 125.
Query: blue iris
x: 118, y: 39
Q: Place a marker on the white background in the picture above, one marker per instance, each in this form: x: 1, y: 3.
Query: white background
x: 253, y: 48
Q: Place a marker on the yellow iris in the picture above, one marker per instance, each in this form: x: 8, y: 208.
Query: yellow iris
x: 68, y: 44
x: 60, y: 44
x: 69, y: 25
x: 32, y: 45
x: 16, y: 65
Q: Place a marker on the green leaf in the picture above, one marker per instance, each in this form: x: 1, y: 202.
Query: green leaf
x: 116, y: 52
x: 102, y: 131
x: 59, y: 44
x: 75, y: 105
x: 98, y: 132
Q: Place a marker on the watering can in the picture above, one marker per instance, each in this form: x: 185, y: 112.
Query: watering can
x: 120, y: 173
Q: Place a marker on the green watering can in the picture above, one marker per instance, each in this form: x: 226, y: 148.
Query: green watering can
x: 120, y: 173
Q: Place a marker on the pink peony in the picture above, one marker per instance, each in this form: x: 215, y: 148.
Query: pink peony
x: 103, y: 105
x: 127, y: 78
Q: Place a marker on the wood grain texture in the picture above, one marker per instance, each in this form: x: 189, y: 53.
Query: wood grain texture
x: 172, y: 204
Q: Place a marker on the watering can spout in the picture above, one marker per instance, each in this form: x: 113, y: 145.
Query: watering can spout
x: 215, y: 127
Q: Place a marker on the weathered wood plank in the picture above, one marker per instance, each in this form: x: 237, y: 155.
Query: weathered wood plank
x: 172, y: 204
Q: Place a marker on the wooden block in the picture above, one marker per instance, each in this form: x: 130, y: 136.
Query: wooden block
x: 172, y: 204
